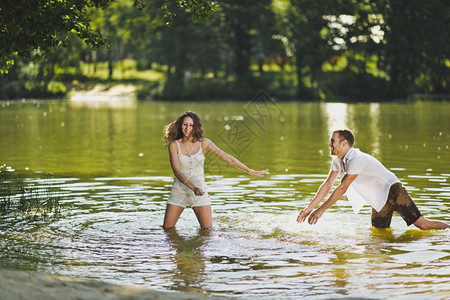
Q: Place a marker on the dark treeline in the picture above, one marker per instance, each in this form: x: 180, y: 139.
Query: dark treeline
x: 302, y: 49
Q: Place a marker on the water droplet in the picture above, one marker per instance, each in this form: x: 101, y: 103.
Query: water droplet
x: 227, y: 127
x: 141, y: 154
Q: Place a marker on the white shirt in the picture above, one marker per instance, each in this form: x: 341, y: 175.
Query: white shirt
x: 373, y: 182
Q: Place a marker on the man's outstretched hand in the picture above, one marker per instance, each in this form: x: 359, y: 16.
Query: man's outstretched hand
x: 313, y: 217
x: 303, y: 215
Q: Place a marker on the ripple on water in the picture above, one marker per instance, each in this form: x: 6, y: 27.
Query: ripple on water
x: 111, y: 230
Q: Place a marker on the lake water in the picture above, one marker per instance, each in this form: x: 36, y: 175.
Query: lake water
x: 112, y: 170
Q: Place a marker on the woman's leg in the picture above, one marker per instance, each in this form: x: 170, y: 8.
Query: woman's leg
x: 172, y: 215
x: 204, y: 215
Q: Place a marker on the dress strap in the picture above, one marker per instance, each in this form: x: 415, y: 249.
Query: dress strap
x: 179, y: 148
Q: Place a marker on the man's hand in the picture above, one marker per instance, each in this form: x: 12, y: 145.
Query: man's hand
x: 303, y: 215
x: 315, y: 216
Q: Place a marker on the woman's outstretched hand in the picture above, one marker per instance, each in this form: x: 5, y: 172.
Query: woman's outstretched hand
x: 259, y: 173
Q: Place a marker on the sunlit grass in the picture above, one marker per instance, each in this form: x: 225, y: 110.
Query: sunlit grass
x: 281, y: 81
x: 123, y: 70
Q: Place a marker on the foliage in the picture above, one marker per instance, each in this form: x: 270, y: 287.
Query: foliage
x: 417, y: 44
x: 27, y: 25
x: 208, y: 49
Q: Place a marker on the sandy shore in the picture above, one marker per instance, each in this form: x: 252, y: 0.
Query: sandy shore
x: 17, y: 285
x: 104, y: 96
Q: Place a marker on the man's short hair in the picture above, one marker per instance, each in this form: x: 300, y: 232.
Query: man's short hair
x: 347, y: 135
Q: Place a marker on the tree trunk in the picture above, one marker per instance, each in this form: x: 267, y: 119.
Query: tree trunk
x: 261, y: 64
x: 110, y: 65
x: 298, y: 71
x: 94, y: 59
x: 242, y: 52
x: 40, y: 75
x: 178, y: 84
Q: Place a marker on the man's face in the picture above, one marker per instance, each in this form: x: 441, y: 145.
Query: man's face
x: 335, y: 144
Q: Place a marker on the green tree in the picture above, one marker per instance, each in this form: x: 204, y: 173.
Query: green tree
x: 417, y: 44
x: 309, y: 24
x: 27, y: 25
x: 248, y: 28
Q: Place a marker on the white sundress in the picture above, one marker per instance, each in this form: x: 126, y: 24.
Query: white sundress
x: 192, y: 167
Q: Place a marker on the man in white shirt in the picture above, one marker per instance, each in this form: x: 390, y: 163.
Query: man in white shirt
x: 366, y: 181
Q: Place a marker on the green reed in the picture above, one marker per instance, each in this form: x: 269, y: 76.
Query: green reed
x: 30, y: 194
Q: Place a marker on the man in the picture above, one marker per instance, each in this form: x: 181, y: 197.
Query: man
x: 366, y: 181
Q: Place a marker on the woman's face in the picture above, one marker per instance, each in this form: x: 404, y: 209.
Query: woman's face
x: 187, y: 127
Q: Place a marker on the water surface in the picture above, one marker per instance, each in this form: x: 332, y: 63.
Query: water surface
x: 112, y: 170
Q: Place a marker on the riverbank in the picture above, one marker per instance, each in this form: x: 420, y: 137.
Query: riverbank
x: 30, y: 285
x: 120, y: 95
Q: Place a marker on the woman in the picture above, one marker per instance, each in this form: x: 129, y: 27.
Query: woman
x: 187, y: 148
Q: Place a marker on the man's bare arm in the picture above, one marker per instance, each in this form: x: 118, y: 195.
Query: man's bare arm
x: 322, y: 192
x: 335, y: 196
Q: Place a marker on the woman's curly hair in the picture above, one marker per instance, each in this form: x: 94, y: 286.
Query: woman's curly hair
x: 173, y: 131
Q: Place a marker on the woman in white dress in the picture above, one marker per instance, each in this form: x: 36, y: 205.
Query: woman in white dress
x: 187, y: 148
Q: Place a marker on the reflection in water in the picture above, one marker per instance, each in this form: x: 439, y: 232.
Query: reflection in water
x: 189, y: 259
x: 18, y: 248
x: 337, y: 116
x: 386, y: 235
x: 375, y: 128
x: 340, y: 274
